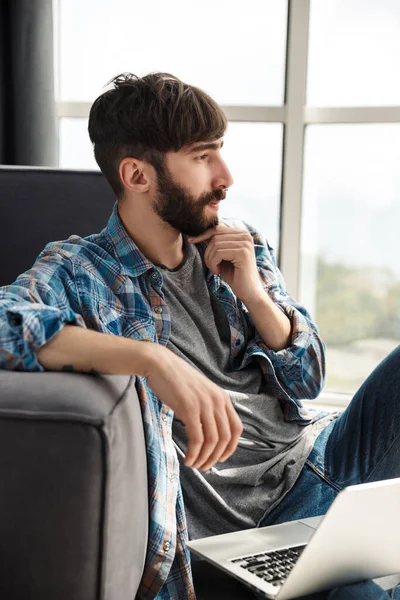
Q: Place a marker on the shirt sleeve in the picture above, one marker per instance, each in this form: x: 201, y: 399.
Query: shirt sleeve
x: 34, y: 308
x: 299, y: 368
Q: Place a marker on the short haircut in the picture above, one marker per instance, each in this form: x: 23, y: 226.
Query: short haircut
x: 144, y: 117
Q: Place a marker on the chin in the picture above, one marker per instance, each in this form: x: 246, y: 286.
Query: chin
x: 201, y: 230
x: 201, y: 227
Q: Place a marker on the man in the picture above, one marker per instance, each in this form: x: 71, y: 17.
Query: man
x: 197, y: 309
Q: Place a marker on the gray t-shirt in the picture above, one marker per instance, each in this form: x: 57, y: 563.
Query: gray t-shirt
x: 235, y: 494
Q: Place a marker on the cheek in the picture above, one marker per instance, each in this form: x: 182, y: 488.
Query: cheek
x: 196, y: 182
x: 194, y: 177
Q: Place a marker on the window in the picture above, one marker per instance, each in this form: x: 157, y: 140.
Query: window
x: 312, y: 95
x: 350, y: 245
x: 75, y: 149
x: 354, y: 50
x: 218, y: 46
x: 253, y: 152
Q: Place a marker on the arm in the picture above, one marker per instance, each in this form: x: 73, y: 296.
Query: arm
x: 283, y: 330
x: 36, y: 333
x: 34, y: 308
x: 87, y: 351
x: 300, y: 365
x: 212, y: 425
x: 272, y: 324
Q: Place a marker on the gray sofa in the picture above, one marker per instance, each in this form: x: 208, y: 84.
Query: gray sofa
x: 73, y: 501
x: 73, y: 496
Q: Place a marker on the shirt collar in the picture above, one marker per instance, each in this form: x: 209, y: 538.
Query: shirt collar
x: 132, y: 261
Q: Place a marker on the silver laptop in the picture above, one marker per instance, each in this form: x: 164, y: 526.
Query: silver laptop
x: 357, y: 539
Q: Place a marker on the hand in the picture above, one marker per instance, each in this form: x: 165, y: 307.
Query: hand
x: 212, y: 424
x: 230, y: 254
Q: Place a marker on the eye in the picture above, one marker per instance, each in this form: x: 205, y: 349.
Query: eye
x: 202, y: 156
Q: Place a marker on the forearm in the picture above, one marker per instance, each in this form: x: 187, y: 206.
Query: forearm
x: 271, y: 323
x: 83, y: 350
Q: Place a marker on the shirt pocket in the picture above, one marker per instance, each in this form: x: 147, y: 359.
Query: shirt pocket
x: 119, y: 322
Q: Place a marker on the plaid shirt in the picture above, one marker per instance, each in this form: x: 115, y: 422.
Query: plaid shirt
x: 104, y: 282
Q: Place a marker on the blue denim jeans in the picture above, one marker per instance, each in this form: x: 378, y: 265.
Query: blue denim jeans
x: 361, y: 445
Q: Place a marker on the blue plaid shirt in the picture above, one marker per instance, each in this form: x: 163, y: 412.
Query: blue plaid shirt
x: 103, y: 282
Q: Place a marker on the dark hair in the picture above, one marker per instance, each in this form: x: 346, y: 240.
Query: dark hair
x: 144, y: 117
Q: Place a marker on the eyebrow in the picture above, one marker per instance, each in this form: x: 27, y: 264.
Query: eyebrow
x: 206, y: 146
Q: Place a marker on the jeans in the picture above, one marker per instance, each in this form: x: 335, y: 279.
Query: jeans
x: 361, y: 445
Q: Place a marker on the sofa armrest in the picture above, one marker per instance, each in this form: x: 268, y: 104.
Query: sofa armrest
x: 73, y: 501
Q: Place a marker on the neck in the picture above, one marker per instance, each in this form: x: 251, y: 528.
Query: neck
x: 158, y: 241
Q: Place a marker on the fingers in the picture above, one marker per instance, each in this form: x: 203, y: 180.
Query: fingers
x: 220, y: 230
x: 211, y: 443
x: 236, y: 427
x: 211, y: 423
x: 214, y: 436
x: 195, y: 435
x: 235, y: 249
x: 223, y: 439
x: 214, y: 256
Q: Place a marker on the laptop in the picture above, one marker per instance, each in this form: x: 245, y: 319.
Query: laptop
x: 357, y: 539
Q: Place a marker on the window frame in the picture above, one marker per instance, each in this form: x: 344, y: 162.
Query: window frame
x: 295, y: 115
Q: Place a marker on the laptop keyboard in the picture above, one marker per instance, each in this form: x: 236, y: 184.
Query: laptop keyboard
x: 273, y: 567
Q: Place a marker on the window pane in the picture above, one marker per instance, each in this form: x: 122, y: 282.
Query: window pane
x: 253, y: 152
x: 354, y: 53
x: 75, y: 148
x: 236, y: 54
x: 350, y: 275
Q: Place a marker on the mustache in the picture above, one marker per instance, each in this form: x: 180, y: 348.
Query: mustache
x: 215, y: 195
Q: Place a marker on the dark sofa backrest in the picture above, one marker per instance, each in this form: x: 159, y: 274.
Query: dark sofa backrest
x: 39, y: 205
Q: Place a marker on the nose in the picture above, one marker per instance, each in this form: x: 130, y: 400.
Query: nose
x: 222, y: 176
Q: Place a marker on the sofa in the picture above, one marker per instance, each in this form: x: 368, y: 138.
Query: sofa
x: 73, y: 500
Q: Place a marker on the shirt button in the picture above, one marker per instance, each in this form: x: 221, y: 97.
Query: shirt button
x: 164, y: 418
x: 15, y: 320
x: 238, y: 342
x: 158, y: 309
x: 166, y: 546
x: 171, y: 478
x: 154, y: 275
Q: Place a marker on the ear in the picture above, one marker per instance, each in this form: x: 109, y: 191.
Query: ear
x: 134, y: 175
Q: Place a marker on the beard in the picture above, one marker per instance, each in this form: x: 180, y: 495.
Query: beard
x: 180, y: 209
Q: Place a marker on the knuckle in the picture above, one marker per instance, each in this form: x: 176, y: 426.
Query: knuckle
x: 217, y: 402
x: 211, y: 438
x: 225, y: 439
x: 195, y: 435
x: 238, y: 429
x: 221, y: 400
x: 238, y: 425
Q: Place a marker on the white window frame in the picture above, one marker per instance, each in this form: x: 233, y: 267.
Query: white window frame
x: 295, y: 115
